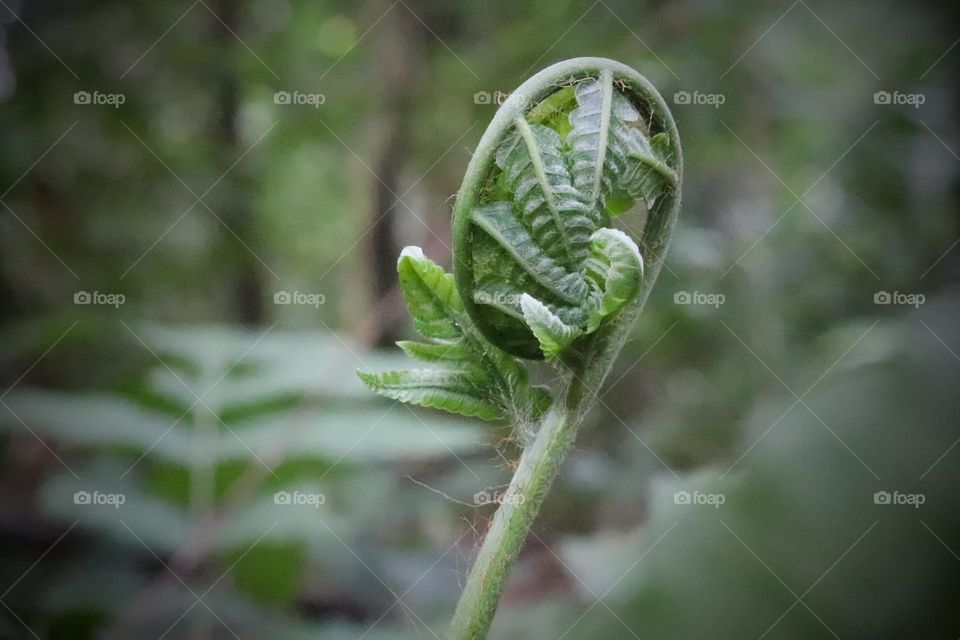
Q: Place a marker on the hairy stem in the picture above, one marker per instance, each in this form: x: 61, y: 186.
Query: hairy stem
x: 520, y: 504
x: 538, y: 466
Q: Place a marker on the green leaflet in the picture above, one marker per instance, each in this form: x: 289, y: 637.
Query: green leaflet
x: 615, y: 267
x: 649, y: 175
x: 594, y: 166
x: 544, y: 230
x: 501, y: 223
x: 470, y: 377
x: 536, y: 173
x: 453, y: 353
x: 452, y: 391
x: 552, y: 111
x: 610, y: 150
x: 553, y: 334
x: 430, y: 294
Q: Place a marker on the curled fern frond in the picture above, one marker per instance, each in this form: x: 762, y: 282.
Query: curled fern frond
x: 584, y: 141
x: 540, y: 273
x: 615, y: 269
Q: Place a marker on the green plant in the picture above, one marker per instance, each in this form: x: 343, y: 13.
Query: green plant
x: 197, y: 459
x: 540, y: 273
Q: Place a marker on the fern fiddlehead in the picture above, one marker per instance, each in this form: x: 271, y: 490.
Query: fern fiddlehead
x: 540, y: 272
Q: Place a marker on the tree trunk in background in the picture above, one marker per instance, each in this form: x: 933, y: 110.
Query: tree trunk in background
x: 399, y: 61
x: 246, y: 280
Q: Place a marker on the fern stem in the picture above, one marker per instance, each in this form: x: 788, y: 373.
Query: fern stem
x: 520, y: 504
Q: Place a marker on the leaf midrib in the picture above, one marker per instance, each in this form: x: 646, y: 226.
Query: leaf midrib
x: 606, y: 108
x: 536, y: 160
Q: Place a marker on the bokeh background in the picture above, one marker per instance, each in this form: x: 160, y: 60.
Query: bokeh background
x: 202, y: 204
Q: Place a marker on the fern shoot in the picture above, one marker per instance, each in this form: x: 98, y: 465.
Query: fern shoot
x: 541, y: 273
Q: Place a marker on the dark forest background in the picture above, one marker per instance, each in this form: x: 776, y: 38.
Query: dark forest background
x: 201, y: 206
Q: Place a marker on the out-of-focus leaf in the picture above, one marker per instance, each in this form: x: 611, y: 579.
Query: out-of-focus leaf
x: 94, y: 421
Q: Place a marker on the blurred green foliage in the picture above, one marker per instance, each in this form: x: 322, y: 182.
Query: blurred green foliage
x: 804, y: 198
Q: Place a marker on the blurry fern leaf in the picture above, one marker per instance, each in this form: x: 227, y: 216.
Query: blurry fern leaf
x: 116, y: 425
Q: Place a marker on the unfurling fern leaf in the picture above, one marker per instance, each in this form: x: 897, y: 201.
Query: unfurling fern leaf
x: 562, y: 168
x: 539, y: 270
x: 615, y: 268
x: 541, y: 274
